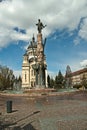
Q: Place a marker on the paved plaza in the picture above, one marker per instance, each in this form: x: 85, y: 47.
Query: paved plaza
x: 65, y: 111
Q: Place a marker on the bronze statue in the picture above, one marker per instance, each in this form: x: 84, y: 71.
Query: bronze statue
x: 40, y: 26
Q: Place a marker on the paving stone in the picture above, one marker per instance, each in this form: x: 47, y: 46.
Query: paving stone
x: 56, y: 112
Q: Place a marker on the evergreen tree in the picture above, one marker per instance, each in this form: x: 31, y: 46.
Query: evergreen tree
x: 51, y: 83
x: 68, y: 78
x: 48, y: 81
x: 56, y: 82
x: 59, y: 80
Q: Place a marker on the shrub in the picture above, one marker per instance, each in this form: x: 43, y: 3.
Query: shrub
x: 77, y: 86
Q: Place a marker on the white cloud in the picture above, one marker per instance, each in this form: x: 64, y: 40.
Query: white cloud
x: 76, y: 41
x: 24, y: 14
x: 83, y: 29
x: 83, y: 63
x: 7, y: 35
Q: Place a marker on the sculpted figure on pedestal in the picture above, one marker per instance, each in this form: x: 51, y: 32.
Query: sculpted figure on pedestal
x: 40, y: 26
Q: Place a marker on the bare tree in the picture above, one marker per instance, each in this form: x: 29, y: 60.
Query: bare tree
x: 6, y: 78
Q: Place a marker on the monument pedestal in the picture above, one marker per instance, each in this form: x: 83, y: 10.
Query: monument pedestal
x: 39, y: 91
x: 40, y: 87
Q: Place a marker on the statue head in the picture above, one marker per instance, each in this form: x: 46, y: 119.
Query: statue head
x: 38, y: 20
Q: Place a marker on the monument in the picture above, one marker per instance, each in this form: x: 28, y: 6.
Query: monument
x: 34, y: 67
x: 40, y: 79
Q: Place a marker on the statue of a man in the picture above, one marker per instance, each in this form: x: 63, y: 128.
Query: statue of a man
x: 40, y: 26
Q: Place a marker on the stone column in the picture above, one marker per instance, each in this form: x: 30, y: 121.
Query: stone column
x: 40, y: 50
x: 46, y: 78
x: 40, y: 61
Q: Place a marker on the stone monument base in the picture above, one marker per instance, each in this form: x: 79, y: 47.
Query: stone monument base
x: 40, y: 87
x: 39, y: 91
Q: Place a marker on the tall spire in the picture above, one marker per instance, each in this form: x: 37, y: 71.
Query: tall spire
x: 33, y: 39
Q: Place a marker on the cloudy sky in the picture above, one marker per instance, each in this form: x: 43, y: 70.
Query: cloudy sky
x: 66, y: 32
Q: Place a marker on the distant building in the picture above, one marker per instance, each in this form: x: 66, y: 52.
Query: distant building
x: 28, y: 71
x: 77, y: 76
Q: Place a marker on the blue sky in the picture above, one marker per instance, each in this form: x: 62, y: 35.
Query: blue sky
x: 66, y: 32
x: 63, y: 51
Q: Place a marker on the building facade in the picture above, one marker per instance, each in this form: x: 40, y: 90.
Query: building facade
x: 78, y: 76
